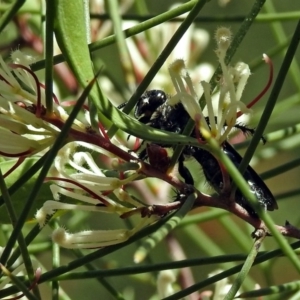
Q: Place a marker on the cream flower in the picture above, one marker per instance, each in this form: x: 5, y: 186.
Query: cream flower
x: 80, y: 179
x: 25, y: 127
x: 222, y: 112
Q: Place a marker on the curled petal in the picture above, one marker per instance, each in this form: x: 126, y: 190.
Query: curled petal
x: 13, y: 125
x: 13, y: 144
x: 165, y: 280
x: 89, y: 239
x: 243, y: 73
x: 41, y: 216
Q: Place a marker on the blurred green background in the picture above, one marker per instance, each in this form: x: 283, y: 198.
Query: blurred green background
x: 226, y: 234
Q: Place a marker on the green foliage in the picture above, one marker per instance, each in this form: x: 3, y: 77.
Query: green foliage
x: 19, y: 197
x: 214, y: 247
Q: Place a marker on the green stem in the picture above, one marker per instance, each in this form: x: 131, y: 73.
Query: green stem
x: 244, y: 270
x: 50, y: 15
x: 55, y: 264
x: 10, y: 13
x: 128, y: 32
x: 21, y: 241
x: 261, y: 18
x: 124, y: 56
x: 110, y: 288
x: 222, y: 275
x: 272, y: 100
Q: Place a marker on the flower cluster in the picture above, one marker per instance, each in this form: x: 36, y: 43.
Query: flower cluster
x: 79, y: 178
x: 22, y: 131
x: 23, y: 126
x: 18, y: 269
x: 27, y: 129
x: 76, y: 171
x: 220, y: 110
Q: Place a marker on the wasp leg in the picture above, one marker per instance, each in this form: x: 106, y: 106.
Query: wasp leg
x: 184, y: 171
x: 247, y: 130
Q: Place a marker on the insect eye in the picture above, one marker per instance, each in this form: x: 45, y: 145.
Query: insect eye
x: 148, y: 104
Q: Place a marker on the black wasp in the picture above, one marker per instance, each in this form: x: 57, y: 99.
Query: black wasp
x: 153, y: 109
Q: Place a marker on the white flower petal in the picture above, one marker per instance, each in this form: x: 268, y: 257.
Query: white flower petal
x: 89, y: 239
x: 14, y: 144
